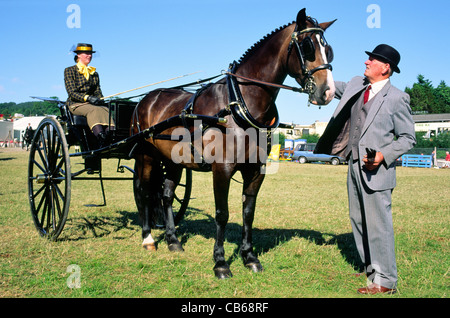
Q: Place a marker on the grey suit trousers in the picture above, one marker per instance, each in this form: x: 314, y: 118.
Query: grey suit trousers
x: 371, y: 220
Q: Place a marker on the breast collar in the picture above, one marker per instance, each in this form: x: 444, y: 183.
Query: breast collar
x: 239, y: 109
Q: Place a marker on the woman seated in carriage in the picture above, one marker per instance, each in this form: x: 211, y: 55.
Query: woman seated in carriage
x: 85, y: 95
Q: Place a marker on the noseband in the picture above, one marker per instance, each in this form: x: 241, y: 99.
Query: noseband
x: 307, y: 82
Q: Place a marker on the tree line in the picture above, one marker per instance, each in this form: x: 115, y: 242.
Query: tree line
x: 38, y: 108
x: 426, y: 99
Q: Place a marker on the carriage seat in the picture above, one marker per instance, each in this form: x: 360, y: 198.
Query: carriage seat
x: 79, y: 120
x: 75, y: 120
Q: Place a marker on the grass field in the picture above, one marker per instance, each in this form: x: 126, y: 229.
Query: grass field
x: 301, y: 233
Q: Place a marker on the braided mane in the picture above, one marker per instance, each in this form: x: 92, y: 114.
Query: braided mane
x: 258, y: 44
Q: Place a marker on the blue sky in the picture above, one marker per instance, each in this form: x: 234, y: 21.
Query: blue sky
x: 142, y: 42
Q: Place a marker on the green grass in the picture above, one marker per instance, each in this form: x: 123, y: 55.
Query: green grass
x: 301, y: 233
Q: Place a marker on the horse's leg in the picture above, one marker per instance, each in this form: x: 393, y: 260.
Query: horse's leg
x: 172, y: 178
x: 221, y: 182
x: 253, y: 179
x: 146, y: 197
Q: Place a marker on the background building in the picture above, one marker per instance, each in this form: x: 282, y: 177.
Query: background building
x: 317, y: 128
x: 432, y: 124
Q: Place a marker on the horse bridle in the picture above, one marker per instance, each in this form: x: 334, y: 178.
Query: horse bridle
x: 237, y: 105
x: 308, y: 84
x: 305, y: 44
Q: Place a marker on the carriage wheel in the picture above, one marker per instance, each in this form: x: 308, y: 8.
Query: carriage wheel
x: 182, y: 195
x: 49, y: 179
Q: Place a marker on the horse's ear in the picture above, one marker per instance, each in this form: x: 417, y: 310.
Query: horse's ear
x: 325, y: 25
x: 301, y: 19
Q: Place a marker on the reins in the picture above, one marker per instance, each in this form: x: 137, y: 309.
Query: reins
x: 292, y: 88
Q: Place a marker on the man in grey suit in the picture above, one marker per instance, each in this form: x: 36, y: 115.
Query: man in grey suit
x: 372, y: 126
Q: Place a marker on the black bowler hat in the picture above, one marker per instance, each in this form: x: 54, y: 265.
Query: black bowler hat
x: 83, y: 48
x: 387, y: 54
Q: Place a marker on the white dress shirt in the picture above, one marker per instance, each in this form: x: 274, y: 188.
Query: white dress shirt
x: 376, y: 87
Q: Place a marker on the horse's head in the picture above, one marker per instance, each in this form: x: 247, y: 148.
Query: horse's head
x: 311, y: 68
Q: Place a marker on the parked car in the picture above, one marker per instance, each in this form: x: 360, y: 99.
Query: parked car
x: 304, y: 153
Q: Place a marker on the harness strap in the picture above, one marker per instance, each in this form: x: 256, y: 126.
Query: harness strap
x: 308, y: 81
x: 239, y: 109
x: 292, y: 88
x: 187, y: 111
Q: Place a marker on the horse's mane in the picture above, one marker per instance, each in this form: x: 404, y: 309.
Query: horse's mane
x: 260, y: 42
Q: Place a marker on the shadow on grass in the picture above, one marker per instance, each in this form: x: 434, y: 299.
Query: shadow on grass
x: 83, y: 228
x: 266, y: 239
x: 263, y: 239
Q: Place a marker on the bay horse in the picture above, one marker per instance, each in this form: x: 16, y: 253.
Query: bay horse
x: 245, y: 99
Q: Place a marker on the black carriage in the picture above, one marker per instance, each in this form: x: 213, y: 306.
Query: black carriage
x: 60, y: 138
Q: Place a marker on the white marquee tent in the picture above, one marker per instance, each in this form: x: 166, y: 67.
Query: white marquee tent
x: 20, y: 125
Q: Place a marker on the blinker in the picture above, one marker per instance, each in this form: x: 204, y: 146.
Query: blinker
x: 308, y: 49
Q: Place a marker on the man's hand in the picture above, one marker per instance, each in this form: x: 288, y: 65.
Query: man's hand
x: 372, y: 164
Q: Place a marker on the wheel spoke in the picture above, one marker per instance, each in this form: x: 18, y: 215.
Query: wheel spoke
x: 53, y: 209
x: 49, y: 212
x: 43, y: 160
x: 38, y: 191
x: 45, y: 149
x: 51, y: 148
x: 59, y: 165
x: 57, y: 204
x: 41, y: 201
x: 58, y: 191
x: 55, y: 150
x: 39, y: 166
x: 44, y: 200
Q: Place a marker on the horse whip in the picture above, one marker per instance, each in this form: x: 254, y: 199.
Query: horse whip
x: 134, y: 89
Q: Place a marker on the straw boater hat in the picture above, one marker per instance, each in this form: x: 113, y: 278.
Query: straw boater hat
x: 83, y: 48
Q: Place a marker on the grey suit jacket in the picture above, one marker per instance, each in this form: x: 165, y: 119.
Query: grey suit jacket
x: 389, y: 128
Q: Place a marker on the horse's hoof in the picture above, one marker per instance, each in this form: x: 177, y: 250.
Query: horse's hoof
x: 151, y: 247
x: 255, y: 267
x: 176, y: 247
x: 222, y: 273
